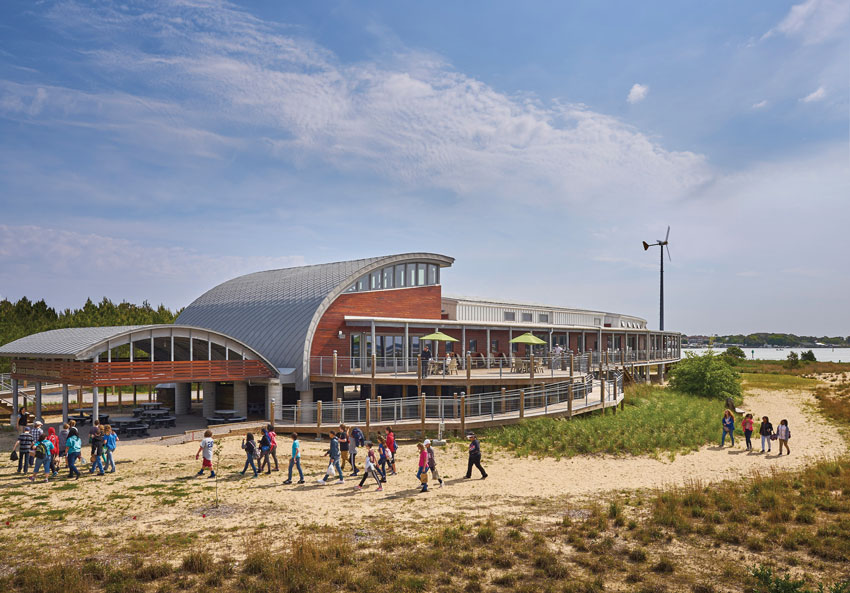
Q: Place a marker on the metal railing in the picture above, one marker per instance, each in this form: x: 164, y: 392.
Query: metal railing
x: 545, y: 399
x: 455, y: 365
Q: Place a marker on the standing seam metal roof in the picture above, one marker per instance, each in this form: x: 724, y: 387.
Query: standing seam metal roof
x: 276, y: 312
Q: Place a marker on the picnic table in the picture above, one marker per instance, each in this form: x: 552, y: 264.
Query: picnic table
x: 226, y: 417
x: 226, y: 413
x: 150, y: 405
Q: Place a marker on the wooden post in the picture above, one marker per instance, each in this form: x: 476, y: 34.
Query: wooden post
x: 468, y: 366
x: 198, y: 391
x: 615, y: 396
x: 339, y: 410
x: 379, y: 408
x: 602, y: 390
x: 150, y: 393
x: 318, y: 415
x: 298, y: 415
x: 368, y: 415
x: 454, y: 404
x: 271, y: 411
x: 463, y: 415
x: 572, y: 365
x: 120, y: 389
x: 79, y: 395
x: 422, y: 413
x: 531, y: 367
x: 503, y: 400
x: 570, y: 403
x: 522, y: 403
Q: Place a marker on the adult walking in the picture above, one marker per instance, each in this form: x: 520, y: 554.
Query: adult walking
x: 766, y: 432
x: 783, y: 433
x: 728, y: 423
x: 474, y: 456
x: 74, y: 446
x: 24, y: 443
x: 295, y: 460
x: 747, y: 426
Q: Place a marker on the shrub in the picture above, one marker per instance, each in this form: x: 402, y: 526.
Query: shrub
x: 735, y: 352
x: 197, y: 562
x: 792, y: 361
x: 808, y: 356
x: 707, y: 376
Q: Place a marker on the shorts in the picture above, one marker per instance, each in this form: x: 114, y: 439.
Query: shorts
x: 207, y: 463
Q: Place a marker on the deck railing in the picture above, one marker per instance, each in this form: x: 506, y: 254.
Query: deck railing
x: 498, y: 404
x: 548, y: 364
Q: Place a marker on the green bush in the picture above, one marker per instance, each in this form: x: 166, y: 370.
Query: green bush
x: 735, y: 352
x: 792, y: 361
x: 707, y: 375
x: 808, y: 356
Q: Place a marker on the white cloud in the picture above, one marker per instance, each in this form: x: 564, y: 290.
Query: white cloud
x: 760, y: 105
x: 412, y: 119
x: 637, y: 93
x: 814, y: 21
x: 816, y: 95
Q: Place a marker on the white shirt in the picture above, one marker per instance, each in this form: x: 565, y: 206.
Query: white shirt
x: 207, y: 447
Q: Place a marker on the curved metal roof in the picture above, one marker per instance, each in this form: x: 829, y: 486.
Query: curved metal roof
x: 275, y: 312
x: 84, y: 343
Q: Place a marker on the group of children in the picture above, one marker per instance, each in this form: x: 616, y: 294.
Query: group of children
x: 379, y: 462
x: 782, y: 433
x: 44, y: 450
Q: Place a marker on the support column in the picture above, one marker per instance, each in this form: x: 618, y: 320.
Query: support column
x: 64, y: 402
x: 240, y: 398
x: 16, y: 409
x: 183, y: 398
x: 95, y: 405
x: 208, y: 404
x: 38, y: 401
x: 306, y: 399
x: 274, y: 398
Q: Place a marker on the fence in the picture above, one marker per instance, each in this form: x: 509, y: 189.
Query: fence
x: 494, y: 405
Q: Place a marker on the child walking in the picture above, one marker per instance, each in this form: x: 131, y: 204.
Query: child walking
x: 43, y: 453
x: 384, y: 458
x: 333, y: 453
x: 766, y: 431
x: 265, y: 449
x: 110, y: 442
x: 370, y: 467
x: 352, y: 451
x: 783, y: 433
x: 295, y: 460
x: 747, y: 426
x: 54, y: 458
x: 250, y: 448
x: 432, y: 462
x: 392, y: 447
x: 206, y: 447
x: 422, y: 472
x: 728, y: 427
x: 75, y: 447
x: 96, y: 452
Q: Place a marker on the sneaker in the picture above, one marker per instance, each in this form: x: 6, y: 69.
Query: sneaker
x: 484, y: 477
x: 321, y: 481
x: 358, y: 487
x: 383, y: 480
x: 256, y: 475
x: 341, y: 481
x: 212, y: 475
x: 287, y: 481
x: 379, y: 489
x: 277, y: 469
x: 354, y: 473
x: 201, y: 473
x: 441, y: 484
x: 300, y: 481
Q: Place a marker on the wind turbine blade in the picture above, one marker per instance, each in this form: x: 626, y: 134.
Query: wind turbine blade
x: 668, y: 252
x: 668, y: 233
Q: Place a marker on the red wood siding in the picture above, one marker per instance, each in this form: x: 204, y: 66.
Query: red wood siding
x: 423, y: 302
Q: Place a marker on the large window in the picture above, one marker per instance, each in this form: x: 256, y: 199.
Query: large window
x: 400, y: 276
x: 494, y: 346
x: 473, y: 345
x: 510, y: 316
x: 526, y: 316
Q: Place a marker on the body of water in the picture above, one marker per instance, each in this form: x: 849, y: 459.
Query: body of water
x: 822, y: 354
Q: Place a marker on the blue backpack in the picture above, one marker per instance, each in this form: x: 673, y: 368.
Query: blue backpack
x: 358, y: 436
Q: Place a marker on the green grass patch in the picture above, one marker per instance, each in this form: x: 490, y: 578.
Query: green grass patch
x: 654, y: 421
x: 777, y: 381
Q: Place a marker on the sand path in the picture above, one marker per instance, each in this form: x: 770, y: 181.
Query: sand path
x: 514, y: 485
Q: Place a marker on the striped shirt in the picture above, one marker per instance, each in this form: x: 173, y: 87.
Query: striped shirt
x: 25, y: 439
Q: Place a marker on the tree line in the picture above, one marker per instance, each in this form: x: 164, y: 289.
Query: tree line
x: 25, y: 317
x: 781, y: 340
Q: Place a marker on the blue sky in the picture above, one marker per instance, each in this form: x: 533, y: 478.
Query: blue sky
x: 151, y: 150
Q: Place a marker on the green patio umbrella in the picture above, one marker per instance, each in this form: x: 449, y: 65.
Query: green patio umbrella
x: 528, y: 338
x: 440, y: 337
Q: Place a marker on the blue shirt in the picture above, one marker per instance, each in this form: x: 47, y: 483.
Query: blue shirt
x: 729, y: 423
x: 334, y: 450
x: 296, y: 448
x: 111, y: 441
x: 74, y: 444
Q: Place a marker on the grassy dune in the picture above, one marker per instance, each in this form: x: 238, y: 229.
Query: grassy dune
x: 654, y: 421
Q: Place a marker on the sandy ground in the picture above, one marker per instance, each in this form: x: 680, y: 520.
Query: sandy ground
x: 155, y: 488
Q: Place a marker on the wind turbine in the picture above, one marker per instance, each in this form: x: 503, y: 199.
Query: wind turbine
x: 662, y: 245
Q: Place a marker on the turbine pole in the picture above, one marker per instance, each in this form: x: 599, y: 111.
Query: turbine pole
x: 661, y: 316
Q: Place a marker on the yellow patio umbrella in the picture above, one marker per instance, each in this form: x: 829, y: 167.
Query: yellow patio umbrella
x: 528, y: 338
x: 439, y: 337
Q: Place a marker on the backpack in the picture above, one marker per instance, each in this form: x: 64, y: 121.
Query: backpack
x: 358, y: 436
x: 40, y: 450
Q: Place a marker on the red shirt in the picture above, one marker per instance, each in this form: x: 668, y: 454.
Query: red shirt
x: 747, y: 424
x: 391, y: 441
